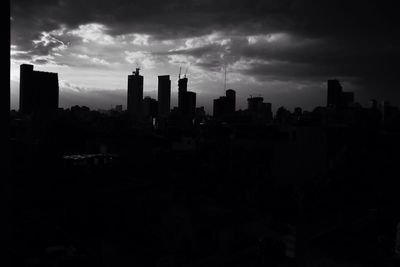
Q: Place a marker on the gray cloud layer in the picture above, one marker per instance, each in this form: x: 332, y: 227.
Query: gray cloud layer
x: 355, y: 39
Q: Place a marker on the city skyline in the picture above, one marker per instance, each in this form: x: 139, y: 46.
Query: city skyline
x: 202, y: 133
x: 37, y: 90
x: 280, y: 50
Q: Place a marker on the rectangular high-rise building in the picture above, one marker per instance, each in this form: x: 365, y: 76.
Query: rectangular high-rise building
x: 347, y: 99
x: 164, y: 95
x: 254, y: 104
x: 268, y: 108
x: 334, y: 93
x: 190, y: 103
x: 150, y: 108
x: 186, y: 99
x: 336, y: 97
x: 230, y: 101
x: 182, y: 90
x: 218, y: 107
x: 135, y: 94
x: 225, y: 105
x: 38, y: 92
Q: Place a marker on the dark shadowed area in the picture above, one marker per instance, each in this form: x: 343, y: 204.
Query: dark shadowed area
x: 203, y: 133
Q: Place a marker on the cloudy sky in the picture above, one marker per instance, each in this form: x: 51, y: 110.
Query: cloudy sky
x: 283, y: 50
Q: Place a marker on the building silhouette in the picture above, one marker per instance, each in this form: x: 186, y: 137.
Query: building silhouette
x: 218, y: 107
x: 189, y: 107
x: 283, y: 115
x: 164, y: 95
x: 336, y: 97
x: 135, y: 94
x: 387, y: 110
x: 347, y: 99
x: 225, y: 105
x: 182, y: 90
x: 38, y: 91
x: 334, y: 93
x: 231, y: 100
x: 118, y: 108
x: 254, y: 104
x: 258, y: 109
x: 268, y: 110
x: 150, y: 108
x: 186, y: 99
x: 151, y: 189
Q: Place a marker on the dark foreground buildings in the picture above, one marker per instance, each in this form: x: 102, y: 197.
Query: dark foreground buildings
x: 300, y: 190
x: 38, y: 91
x: 150, y: 109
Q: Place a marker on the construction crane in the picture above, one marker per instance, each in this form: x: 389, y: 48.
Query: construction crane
x: 186, y: 71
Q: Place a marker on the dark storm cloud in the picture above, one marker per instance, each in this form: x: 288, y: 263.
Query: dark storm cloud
x: 172, y: 19
x: 328, y: 57
x: 298, y: 57
x: 163, y: 19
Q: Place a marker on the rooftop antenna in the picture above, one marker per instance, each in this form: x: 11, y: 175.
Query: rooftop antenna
x: 137, y: 68
x: 186, y: 71
x: 137, y: 71
x: 225, y: 79
x: 179, y: 76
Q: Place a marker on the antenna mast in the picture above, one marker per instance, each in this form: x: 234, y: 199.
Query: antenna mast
x: 186, y: 71
x: 179, y: 72
x: 225, y: 80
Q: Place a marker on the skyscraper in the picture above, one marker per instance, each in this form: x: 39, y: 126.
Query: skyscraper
x: 334, y: 93
x: 135, y: 94
x: 259, y: 110
x: 347, y: 99
x: 38, y: 92
x: 164, y: 95
x: 182, y: 89
x: 225, y: 105
x: 186, y: 99
x: 268, y: 108
x: 189, y: 107
x: 149, y: 108
x: 336, y: 97
x: 218, y: 107
x: 255, y: 104
x: 230, y: 101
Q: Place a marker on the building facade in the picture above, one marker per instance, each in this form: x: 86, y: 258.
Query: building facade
x: 135, y: 94
x: 164, y: 95
x: 39, y: 91
x: 182, y: 90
